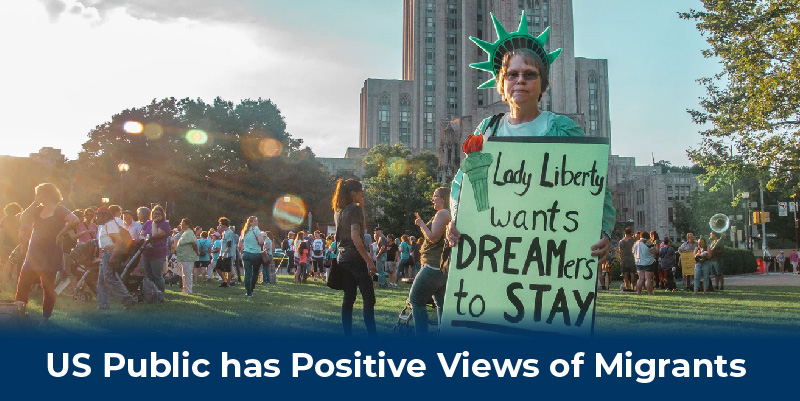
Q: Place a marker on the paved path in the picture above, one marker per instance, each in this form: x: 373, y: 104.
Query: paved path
x: 769, y: 279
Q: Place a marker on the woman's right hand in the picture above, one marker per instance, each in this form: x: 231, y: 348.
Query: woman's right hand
x: 452, y: 233
x: 371, y: 268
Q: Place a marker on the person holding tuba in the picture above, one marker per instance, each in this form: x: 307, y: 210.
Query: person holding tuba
x: 719, y: 223
x: 716, y: 250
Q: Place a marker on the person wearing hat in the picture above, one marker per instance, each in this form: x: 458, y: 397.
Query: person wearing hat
x: 110, y: 243
x: 520, y: 67
x: 133, y: 226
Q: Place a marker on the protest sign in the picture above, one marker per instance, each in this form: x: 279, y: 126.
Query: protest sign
x: 529, y: 211
x: 687, y: 263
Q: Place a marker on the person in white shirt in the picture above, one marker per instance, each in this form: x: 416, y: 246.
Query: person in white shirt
x: 643, y: 253
x: 133, y: 227
x: 110, y: 244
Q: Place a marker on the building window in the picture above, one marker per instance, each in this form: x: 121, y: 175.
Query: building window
x: 429, y: 22
x: 429, y: 101
x: 670, y: 216
x: 428, y: 139
x: 383, y: 119
x: 429, y: 117
x: 669, y: 192
x: 480, y: 99
x: 451, y: 55
x: 405, y: 119
x: 593, y: 104
x: 452, y: 71
x: 430, y: 37
x: 429, y: 69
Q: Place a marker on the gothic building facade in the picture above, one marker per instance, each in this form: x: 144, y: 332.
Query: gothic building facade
x: 436, y: 105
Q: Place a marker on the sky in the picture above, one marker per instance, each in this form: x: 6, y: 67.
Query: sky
x: 70, y: 65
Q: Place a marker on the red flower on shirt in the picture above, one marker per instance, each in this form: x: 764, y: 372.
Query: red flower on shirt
x: 473, y: 143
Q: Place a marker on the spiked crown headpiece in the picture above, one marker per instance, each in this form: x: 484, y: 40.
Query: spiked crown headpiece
x: 507, y: 42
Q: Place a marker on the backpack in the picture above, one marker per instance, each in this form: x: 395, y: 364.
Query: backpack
x: 127, y: 239
x: 203, y: 251
x: 318, y: 247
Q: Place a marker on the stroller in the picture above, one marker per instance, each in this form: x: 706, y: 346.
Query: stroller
x: 87, y: 268
x: 82, y: 264
x: 405, y: 322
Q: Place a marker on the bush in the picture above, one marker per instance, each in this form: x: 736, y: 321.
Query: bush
x: 738, y: 261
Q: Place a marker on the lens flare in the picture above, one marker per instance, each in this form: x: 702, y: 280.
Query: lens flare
x: 289, y: 211
x: 397, y: 166
x: 153, y: 131
x: 269, y: 147
x: 197, y: 137
x: 133, y: 127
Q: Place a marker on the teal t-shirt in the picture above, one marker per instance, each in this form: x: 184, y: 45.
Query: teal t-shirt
x: 204, y: 244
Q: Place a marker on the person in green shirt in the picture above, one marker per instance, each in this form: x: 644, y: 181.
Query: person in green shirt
x: 186, y: 253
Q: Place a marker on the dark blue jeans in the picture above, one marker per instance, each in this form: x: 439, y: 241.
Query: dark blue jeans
x: 429, y: 282
x: 252, y: 264
x: 357, y: 277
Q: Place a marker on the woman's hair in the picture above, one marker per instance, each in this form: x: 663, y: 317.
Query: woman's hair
x: 667, y: 241
x: 186, y: 221
x: 654, y: 235
x: 444, y: 193
x: 204, y: 234
x: 531, y: 59
x: 343, y: 194
x: 404, y: 238
x: 88, y: 211
x: 645, y: 235
x: 701, y: 243
x: 12, y: 209
x: 300, y: 237
x: 49, y: 191
x: 159, y: 209
x: 78, y: 213
x: 247, y: 225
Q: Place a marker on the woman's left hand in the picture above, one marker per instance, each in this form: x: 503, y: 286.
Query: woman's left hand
x: 601, y: 249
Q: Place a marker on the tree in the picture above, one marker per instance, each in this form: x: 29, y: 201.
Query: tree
x: 206, y: 160
x: 398, y: 184
x: 753, y: 105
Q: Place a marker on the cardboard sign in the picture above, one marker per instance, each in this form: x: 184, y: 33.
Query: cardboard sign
x: 529, y: 211
x: 687, y: 263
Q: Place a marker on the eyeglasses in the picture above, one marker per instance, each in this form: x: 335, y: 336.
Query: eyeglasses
x: 527, y: 74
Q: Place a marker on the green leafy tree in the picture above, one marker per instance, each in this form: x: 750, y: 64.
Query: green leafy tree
x: 398, y: 184
x: 237, y: 163
x: 753, y: 104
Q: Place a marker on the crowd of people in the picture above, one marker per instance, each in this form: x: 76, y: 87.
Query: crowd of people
x: 647, y: 262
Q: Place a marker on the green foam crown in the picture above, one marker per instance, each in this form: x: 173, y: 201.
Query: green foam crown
x: 507, y: 42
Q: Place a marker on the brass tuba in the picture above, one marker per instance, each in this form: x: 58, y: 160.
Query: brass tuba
x: 719, y: 223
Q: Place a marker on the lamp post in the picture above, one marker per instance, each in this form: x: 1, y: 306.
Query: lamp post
x: 123, y: 168
x: 746, y: 197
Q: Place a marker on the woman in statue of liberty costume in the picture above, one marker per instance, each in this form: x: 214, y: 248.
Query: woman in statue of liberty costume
x: 520, y: 66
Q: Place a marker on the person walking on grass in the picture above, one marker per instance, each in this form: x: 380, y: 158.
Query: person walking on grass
x: 250, y: 246
x: 353, y: 257
x: 111, y: 245
x: 45, y: 256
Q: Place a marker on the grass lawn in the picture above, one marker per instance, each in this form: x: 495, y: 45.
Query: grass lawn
x: 313, y: 307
